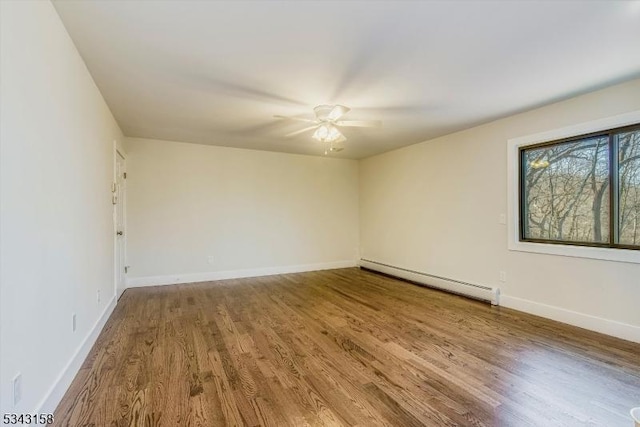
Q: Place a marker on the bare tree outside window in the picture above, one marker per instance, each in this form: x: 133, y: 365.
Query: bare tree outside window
x: 629, y: 183
x: 567, y: 189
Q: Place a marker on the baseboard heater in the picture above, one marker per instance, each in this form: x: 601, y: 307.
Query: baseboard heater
x: 480, y: 292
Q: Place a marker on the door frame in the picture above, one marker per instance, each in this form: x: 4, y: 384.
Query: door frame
x: 119, y: 152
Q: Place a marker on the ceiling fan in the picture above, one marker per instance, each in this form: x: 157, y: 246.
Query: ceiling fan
x: 326, y: 125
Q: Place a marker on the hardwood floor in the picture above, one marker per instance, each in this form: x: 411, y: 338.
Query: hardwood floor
x: 343, y: 347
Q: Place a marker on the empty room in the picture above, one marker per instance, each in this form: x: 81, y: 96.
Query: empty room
x: 319, y: 213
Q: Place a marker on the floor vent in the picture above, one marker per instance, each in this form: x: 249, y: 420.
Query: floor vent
x: 484, y: 293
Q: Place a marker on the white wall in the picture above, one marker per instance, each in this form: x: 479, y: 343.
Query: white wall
x: 434, y: 207
x: 56, y: 163
x: 254, y: 212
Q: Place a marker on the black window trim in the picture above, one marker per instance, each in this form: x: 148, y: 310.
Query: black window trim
x: 613, y: 188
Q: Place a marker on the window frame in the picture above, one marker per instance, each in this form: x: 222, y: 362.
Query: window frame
x: 620, y: 253
x: 614, y: 189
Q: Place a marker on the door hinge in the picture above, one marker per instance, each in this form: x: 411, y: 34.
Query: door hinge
x: 124, y: 175
x: 126, y: 269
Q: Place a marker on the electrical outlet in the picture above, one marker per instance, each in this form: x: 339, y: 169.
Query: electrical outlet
x: 73, y: 322
x: 503, y: 276
x: 210, y: 259
x: 17, y: 389
x: 98, y: 296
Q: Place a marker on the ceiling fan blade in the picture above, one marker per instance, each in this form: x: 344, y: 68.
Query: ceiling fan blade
x: 297, y: 119
x: 337, y: 112
x: 337, y: 145
x: 359, y: 123
x: 301, y: 131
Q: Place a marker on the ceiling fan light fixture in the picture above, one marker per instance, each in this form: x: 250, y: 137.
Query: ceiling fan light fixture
x: 321, y: 133
x: 334, y: 134
x: 327, y: 133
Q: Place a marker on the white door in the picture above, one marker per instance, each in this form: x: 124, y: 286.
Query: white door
x: 120, y: 199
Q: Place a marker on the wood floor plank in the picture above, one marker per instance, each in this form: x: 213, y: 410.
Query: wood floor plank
x: 343, y: 347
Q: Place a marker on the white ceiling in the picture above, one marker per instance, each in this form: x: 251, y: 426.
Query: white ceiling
x: 215, y: 72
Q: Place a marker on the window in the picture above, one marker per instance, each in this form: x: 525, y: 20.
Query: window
x: 627, y: 145
x: 582, y: 190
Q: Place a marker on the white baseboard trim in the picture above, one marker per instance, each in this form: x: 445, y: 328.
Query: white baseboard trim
x: 62, y: 383
x: 598, y: 324
x: 137, y: 282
